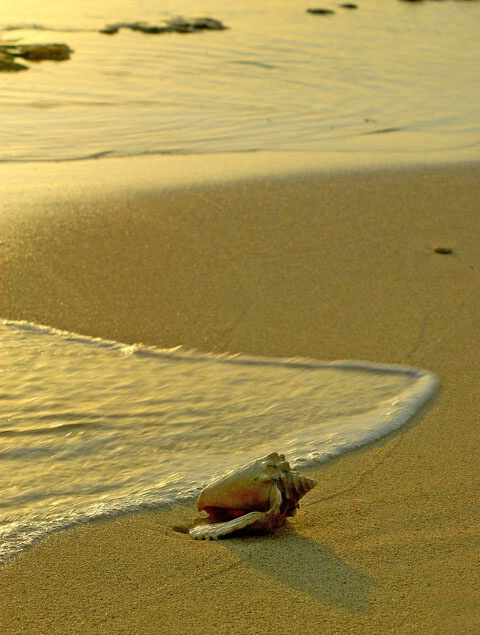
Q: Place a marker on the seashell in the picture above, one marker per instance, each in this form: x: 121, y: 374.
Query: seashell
x: 259, y: 496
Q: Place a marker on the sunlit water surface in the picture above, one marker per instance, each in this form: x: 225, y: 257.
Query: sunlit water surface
x: 387, y: 76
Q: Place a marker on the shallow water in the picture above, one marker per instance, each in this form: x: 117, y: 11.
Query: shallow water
x: 388, y: 76
x: 90, y: 427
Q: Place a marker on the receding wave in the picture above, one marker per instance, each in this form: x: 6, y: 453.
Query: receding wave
x: 94, y: 428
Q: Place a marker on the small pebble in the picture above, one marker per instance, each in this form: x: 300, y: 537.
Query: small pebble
x: 442, y: 250
x: 349, y: 5
x: 321, y: 11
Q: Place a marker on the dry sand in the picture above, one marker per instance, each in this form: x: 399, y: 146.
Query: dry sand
x: 327, y: 265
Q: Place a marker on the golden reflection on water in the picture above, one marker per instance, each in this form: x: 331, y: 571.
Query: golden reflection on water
x: 277, y: 79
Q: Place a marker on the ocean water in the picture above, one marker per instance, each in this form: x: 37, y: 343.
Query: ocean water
x: 92, y: 428
x: 387, y: 76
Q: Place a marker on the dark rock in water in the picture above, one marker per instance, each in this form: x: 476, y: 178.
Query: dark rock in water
x: 180, y: 25
x: 153, y: 30
x: 321, y: 11
x: 9, y: 65
x: 40, y: 52
x: 208, y: 23
x: 185, y: 25
x: 175, y: 25
x: 30, y: 52
x: 147, y: 28
x: 110, y: 29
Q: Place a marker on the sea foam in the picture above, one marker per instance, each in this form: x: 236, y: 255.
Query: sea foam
x: 92, y: 428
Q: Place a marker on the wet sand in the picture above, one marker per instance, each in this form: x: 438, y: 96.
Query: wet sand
x: 327, y: 264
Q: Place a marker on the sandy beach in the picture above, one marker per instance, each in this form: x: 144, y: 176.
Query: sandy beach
x: 322, y: 263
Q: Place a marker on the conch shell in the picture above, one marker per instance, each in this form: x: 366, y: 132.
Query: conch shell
x: 257, y: 496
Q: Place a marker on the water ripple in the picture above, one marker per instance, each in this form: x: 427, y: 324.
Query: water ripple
x: 278, y: 79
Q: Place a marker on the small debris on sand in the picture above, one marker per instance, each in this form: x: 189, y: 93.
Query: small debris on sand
x: 321, y: 11
x: 442, y: 250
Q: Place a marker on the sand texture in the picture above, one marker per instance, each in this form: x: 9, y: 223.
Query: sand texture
x: 327, y: 265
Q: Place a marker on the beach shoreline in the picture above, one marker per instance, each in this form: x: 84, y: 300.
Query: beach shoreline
x: 288, y: 259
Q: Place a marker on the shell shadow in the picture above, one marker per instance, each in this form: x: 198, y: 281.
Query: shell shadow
x: 308, y: 566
